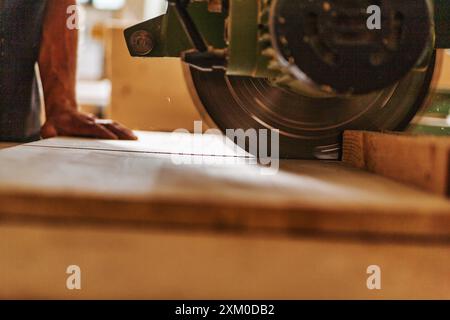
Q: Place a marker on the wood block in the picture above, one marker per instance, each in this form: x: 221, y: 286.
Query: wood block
x: 421, y: 161
x: 124, y: 183
x: 134, y: 263
x: 143, y: 227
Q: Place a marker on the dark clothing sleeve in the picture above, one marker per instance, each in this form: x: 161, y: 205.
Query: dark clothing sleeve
x: 20, y: 36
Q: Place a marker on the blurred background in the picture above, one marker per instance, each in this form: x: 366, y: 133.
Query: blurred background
x: 151, y: 94
x: 144, y: 94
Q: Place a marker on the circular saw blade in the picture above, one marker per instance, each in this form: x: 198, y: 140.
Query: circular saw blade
x: 310, y: 128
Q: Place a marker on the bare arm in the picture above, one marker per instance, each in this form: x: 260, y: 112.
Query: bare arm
x: 58, y: 64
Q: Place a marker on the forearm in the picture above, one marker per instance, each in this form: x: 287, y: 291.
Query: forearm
x: 58, y: 64
x: 58, y: 59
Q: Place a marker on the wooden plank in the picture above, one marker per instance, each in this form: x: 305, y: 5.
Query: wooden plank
x: 4, y: 145
x: 421, y: 161
x: 213, y: 193
x: 143, y: 225
x: 156, y: 143
x: 160, y: 264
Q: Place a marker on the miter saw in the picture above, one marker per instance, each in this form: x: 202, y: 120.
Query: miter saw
x: 308, y: 68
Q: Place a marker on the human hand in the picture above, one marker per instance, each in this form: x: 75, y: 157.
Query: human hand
x: 78, y: 124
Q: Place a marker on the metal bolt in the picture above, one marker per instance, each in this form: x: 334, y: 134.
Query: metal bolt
x: 142, y: 42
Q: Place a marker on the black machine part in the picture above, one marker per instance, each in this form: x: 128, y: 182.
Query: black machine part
x: 337, y: 46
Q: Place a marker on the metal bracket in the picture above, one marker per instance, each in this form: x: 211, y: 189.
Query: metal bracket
x: 175, y: 34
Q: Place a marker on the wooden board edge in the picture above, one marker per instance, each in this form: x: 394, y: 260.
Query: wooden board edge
x: 420, y: 161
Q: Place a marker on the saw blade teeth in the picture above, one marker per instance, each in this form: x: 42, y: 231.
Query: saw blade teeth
x: 273, y: 65
x: 283, y: 81
x: 265, y: 38
x: 267, y: 49
x: 269, y: 52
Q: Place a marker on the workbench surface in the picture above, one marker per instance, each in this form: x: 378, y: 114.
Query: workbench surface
x: 213, y: 227
x: 164, y: 180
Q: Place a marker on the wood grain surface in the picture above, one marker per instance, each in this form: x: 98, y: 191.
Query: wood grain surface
x: 156, y: 219
x: 130, y: 183
x: 422, y: 161
x: 124, y: 263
